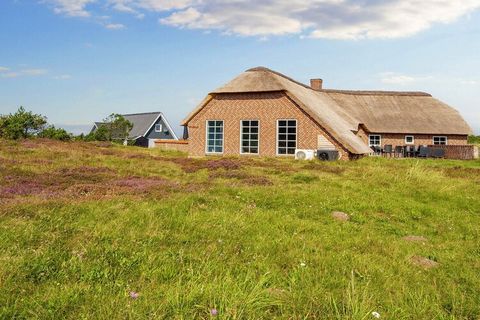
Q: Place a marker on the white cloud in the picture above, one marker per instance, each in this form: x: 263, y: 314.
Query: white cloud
x: 7, y: 73
x: 333, y: 19
x: 3, y: 69
x: 73, y: 8
x: 33, y: 72
x: 114, y: 26
x: 402, y: 79
x: 398, y: 79
x: 63, y: 77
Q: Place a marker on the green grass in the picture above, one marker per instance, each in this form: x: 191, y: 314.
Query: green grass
x: 82, y: 225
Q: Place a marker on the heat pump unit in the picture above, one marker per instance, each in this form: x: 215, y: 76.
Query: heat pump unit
x: 327, y: 155
x: 304, y: 154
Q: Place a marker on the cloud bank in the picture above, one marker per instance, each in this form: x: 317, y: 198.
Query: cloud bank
x: 330, y: 19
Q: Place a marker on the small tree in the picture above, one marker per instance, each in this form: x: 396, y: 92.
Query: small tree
x: 21, y: 124
x: 55, y: 133
x: 118, y: 128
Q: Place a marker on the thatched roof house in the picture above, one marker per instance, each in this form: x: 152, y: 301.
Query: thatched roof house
x: 348, y: 121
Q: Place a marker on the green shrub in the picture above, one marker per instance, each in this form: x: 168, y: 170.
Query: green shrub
x: 21, y: 124
x: 474, y: 139
x: 55, y: 133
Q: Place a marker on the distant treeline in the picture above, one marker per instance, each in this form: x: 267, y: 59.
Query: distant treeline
x: 474, y: 139
x: 25, y: 124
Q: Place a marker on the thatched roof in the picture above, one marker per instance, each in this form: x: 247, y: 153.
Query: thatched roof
x: 401, y: 112
x: 341, y: 112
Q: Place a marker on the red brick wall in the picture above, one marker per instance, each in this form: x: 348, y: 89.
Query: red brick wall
x: 265, y: 107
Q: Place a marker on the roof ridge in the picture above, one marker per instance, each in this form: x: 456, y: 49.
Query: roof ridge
x: 140, y: 113
x: 264, y: 69
x: 378, y: 92
x: 352, y: 92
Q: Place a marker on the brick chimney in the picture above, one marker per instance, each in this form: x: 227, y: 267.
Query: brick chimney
x: 316, y: 84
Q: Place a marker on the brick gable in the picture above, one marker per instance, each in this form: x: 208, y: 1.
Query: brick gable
x: 265, y: 107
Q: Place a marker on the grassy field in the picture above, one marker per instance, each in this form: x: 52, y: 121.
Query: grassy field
x: 93, y: 231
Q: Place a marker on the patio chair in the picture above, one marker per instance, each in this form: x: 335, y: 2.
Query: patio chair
x: 399, y: 151
x: 388, y: 149
x: 376, y: 150
x: 408, y: 151
x: 423, y: 152
x: 415, y: 151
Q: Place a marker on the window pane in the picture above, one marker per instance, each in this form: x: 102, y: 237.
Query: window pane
x: 215, y: 136
x: 287, y: 137
x: 254, y: 150
x: 254, y: 143
x: 249, y: 135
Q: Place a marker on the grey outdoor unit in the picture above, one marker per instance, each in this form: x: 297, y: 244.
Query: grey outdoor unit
x: 327, y: 155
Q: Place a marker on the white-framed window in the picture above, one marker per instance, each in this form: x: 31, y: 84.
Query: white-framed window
x: 249, y: 136
x: 374, y: 140
x: 440, y: 140
x: 286, y: 136
x: 409, y: 140
x: 214, y: 136
x: 158, y: 127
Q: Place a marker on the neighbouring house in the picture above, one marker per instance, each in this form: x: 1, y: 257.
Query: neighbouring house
x: 147, y: 128
x: 263, y: 112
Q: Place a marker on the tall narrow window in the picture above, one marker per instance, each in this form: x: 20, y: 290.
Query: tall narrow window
x: 249, y: 137
x: 374, y: 140
x: 158, y: 127
x: 439, y: 140
x: 214, y: 136
x: 286, y: 136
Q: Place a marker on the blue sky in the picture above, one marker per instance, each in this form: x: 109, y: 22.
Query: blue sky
x: 76, y: 61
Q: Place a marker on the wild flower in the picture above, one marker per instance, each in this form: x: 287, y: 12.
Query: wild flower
x: 303, y: 264
x: 214, y: 312
x: 134, y: 295
x: 375, y: 314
